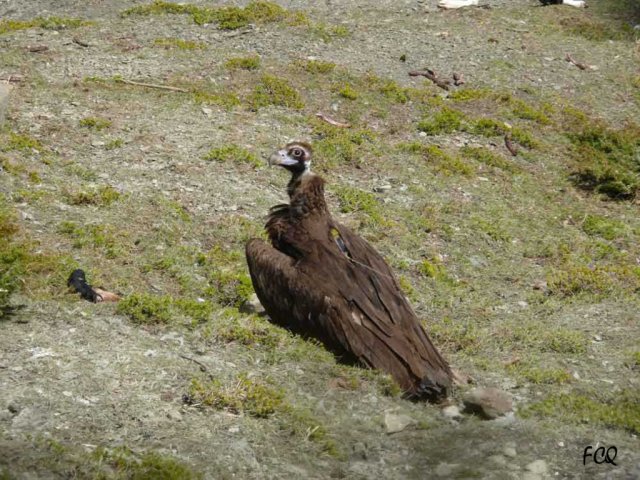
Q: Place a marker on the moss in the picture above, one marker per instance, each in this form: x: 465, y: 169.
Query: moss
x: 114, y: 144
x: 228, y: 284
x: 241, y: 395
x: 234, y: 154
x: 447, y: 120
x: 435, y: 270
x: 47, y: 23
x: 243, y: 63
x: 122, y: 462
x: 146, y: 309
x: 102, y: 196
x: 272, y: 90
x: 619, y: 411
x: 487, y: 127
x: 487, y: 157
x: 348, y: 92
x: 179, y: 44
x: 394, y: 92
x: 606, y: 228
x: 95, y: 123
x: 316, y: 66
x: 199, y: 311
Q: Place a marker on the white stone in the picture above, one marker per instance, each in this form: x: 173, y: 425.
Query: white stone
x: 509, y: 451
x: 395, y: 423
x: 538, y: 466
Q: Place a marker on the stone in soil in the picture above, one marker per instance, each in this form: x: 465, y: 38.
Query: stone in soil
x: 395, y: 423
x: 489, y: 403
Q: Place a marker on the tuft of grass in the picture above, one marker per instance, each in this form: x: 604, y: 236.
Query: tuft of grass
x: 47, y: 23
x: 272, y: 90
x: 354, y: 200
x: 603, y: 227
x: 13, y: 256
x: 233, y: 154
x: 225, y: 99
x: 619, y: 411
x: 243, y: 63
x: 246, y: 330
x: 574, y: 278
x: 96, y: 236
x: 340, y: 145
x: 443, y: 161
x: 538, y: 375
x: 20, y: 142
x: 607, y: 159
x: 227, y: 18
x: 393, y: 91
x: 150, y: 465
x: 241, y: 395
x: 535, y: 337
x: 469, y: 94
x: 179, y: 44
x: 95, y: 123
x: 454, y: 336
x: 328, y: 33
x: 488, y: 127
x: 316, y: 66
x: 487, y: 157
x: 447, y: 120
x: 228, y: 283
x: 525, y: 111
x: 348, y: 92
x: 595, y: 30
x: 103, y: 196
x: 146, y: 309
x: 113, y: 144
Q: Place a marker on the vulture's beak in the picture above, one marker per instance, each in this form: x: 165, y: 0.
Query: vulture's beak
x: 280, y: 157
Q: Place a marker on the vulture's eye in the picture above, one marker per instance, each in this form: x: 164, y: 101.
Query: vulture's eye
x: 296, y: 152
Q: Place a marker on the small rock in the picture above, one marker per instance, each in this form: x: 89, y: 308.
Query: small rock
x: 509, y: 451
x: 5, y: 90
x: 498, y: 459
x: 540, y: 285
x: 445, y: 469
x: 234, y: 429
x: 174, y: 415
x: 395, y: 423
x: 252, y: 305
x: 538, y: 466
x: 452, y: 412
x: 597, y: 338
x: 561, y: 444
x: 13, y: 408
x: 491, y: 403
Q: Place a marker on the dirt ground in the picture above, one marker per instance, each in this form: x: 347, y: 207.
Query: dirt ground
x: 526, y: 281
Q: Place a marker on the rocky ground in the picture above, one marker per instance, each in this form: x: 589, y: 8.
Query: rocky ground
x: 525, y: 268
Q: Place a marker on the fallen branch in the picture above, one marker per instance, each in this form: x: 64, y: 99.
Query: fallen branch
x: 457, y: 79
x: 580, y: 65
x: 331, y: 121
x: 152, y: 85
x: 37, y: 48
x: 431, y: 75
x: 512, y: 147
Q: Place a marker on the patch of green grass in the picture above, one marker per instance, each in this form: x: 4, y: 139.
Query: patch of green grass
x: 487, y: 157
x: 621, y: 410
x: 123, y: 463
x: 525, y: 111
x: 539, y: 375
x: 146, y: 309
x: 272, y: 90
x: 574, y: 278
x: 443, y: 161
x: 96, y: 236
x: 329, y: 32
x: 606, y: 228
x: 251, y: 62
x: 607, y: 160
x: 469, y: 94
x: 246, y: 330
x: 348, y: 92
x: 47, y: 23
x: 595, y: 30
x: 488, y: 127
x: 244, y: 394
x: 227, y: 18
x: 454, y: 336
x: 225, y: 99
x: 20, y: 142
x: 354, y: 200
x: 233, y: 154
x: 340, y: 145
x: 316, y: 66
x: 532, y: 336
x: 95, y: 123
x: 102, y: 196
x: 435, y: 270
x: 13, y: 256
x: 394, y: 92
x: 179, y: 43
x: 114, y: 144
x: 228, y: 283
x: 447, y: 120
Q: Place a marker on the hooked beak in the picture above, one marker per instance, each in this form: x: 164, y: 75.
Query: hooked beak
x: 280, y: 157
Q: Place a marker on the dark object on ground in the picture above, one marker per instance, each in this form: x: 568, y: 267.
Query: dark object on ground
x: 78, y: 281
x: 512, y: 147
x: 431, y: 75
x: 321, y: 280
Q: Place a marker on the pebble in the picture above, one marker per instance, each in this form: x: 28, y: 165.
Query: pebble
x: 538, y: 466
x: 498, y: 459
x: 452, y: 412
x: 174, y: 415
x: 395, y: 423
x: 509, y: 451
x: 490, y: 403
x: 252, y: 305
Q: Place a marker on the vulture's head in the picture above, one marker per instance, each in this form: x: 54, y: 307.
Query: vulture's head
x: 295, y: 157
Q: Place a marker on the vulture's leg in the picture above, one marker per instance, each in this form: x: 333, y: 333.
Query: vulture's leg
x: 274, y: 279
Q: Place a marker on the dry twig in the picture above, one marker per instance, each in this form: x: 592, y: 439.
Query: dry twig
x: 512, y: 147
x: 331, y: 121
x: 580, y: 65
x: 152, y: 85
x: 37, y: 48
x: 457, y: 79
x: 76, y: 40
x: 431, y: 75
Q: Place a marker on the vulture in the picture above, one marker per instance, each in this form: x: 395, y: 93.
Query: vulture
x: 319, y: 279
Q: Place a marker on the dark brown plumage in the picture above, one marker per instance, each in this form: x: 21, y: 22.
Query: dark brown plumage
x: 319, y: 279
